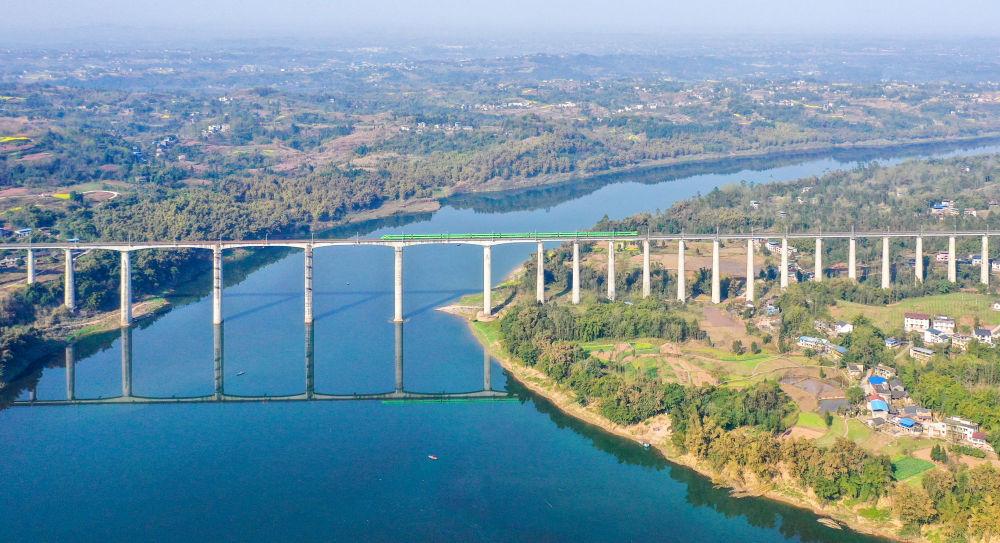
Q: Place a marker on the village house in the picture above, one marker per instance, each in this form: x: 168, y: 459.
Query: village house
x: 884, y: 371
x: 984, y: 335
x: 978, y: 440
x: 944, y: 324
x: 841, y: 328
x: 942, y: 257
x: 921, y: 353
x: 9, y: 262
x: 892, y: 342
x: 961, y: 341
x: 856, y: 371
x: 960, y: 429
x: 918, y: 413
x: 933, y: 336
x: 877, y: 388
x: 916, y: 322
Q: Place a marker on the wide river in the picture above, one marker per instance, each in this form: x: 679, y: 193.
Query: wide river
x: 514, y: 470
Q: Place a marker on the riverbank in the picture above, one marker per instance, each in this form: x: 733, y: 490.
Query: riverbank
x: 710, y: 159
x: 656, y: 432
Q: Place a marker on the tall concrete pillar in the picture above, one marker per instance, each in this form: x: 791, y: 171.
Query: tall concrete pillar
x: 487, y: 280
x: 398, y: 286
x: 984, y: 269
x: 784, y: 263
x: 611, y: 271
x: 30, y: 261
x: 487, y: 381
x: 125, y: 289
x: 70, y: 360
x: 918, y: 261
x: 646, y: 287
x: 399, y: 357
x: 751, y: 272
x: 310, y: 359
x: 217, y: 284
x: 308, y: 280
x: 540, y: 274
x: 33, y: 393
x: 886, y: 279
x: 576, y: 273
x: 716, y: 286
x: 218, y: 353
x: 69, y: 283
x: 681, y: 287
x: 818, y: 260
x: 852, y: 259
x: 126, y: 337
x: 952, y: 263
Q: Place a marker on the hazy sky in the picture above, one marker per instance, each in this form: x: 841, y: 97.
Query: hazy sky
x: 326, y: 18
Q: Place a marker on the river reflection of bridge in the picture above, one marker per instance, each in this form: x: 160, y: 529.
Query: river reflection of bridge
x: 219, y: 395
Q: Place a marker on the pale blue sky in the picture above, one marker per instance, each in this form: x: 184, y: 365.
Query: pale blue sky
x: 325, y: 18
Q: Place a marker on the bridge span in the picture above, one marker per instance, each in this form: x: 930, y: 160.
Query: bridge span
x: 398, y: 242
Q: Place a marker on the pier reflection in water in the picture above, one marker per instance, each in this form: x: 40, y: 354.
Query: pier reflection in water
x: 220, y: 395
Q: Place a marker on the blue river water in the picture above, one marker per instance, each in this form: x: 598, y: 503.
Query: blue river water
x: 359, y: 470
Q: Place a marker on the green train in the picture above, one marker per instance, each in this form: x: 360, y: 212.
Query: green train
x: 510, y: 235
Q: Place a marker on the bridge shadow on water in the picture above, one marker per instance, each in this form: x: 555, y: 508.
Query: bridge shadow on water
x: 699, y: 491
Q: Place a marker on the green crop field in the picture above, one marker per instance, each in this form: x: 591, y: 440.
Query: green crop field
x: 907, y: 466
x: 955, y: 304
x: 812, y: 421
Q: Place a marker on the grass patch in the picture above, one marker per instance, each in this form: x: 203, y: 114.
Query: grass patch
x: 490, y: 331
x: 812, y: 421
x: 874, y: 513
x: 907, y: 466
x: 838, y: 429
x: 858, y: 431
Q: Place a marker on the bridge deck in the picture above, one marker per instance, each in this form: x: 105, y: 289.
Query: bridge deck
x: 481, y: 239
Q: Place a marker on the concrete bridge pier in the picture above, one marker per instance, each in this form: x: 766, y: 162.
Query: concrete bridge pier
x: 487, y: 381
x: 818, y: 261
x: 69, y: 283
x: 30, y: 261
x: 646, y: 286
x: 308, y: 268
x: 750, y: 272
x: 852, y: 259
x: 576, y: 273
x: 399, y: 357
x: 886, y: 273
x: 217, y: 284
x: 310, y: 357
x: 487, y: 280
x: 681, y: 287
x: 540, y: 274
x: 126, y: 361
x: 218, y: 353
x: 70, y: 360
x: 611, y: 271
x: 125, y: 290
x: 984, y: 267
x: 918, y: 261
x: 952, y: 264
x: 716, y: 286
x: 397, y: 315
x: 784, y: 263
